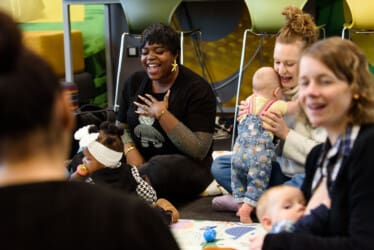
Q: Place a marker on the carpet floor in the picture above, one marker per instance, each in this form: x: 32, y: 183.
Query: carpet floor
x: 201, y: 209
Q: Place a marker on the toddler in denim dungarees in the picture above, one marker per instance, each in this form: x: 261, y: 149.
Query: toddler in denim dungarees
x: 254, y: 148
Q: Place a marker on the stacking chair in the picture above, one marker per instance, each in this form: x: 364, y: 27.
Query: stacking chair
x: 359, y: 23
x: 139, y: 14
x: 266, y: 19
x: 358, y: 16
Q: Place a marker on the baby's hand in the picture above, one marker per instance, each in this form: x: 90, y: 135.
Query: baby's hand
x: 243, y: 110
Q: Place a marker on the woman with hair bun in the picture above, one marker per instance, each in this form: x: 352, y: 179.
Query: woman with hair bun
x: 295, y: 137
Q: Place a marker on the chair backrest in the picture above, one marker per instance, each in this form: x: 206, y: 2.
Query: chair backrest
x: 358, y: 14
x: 266, y: 15
x: 141, y: 13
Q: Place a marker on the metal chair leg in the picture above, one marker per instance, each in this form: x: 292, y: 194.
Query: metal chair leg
x: 241, y: 66
x: 119, y: 71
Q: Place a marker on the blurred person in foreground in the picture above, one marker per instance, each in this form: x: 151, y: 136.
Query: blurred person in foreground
x: 40, y: 207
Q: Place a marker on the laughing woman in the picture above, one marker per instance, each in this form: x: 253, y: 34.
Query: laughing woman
x: 168, y: 112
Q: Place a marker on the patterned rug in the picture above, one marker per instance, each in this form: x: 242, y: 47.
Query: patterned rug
x: 190, y: 234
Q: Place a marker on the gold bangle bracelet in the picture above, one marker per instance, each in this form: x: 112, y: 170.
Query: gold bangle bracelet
x: 161, y: 114
x: 129, y: 149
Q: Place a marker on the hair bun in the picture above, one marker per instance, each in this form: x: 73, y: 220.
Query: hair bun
x: 111, y: 128
x: 292, y: 14
x: 295, y: 19
x: 298, y: 25
x: 10, y: 42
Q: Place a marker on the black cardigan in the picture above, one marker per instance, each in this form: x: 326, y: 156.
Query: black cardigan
x: 350, y: 223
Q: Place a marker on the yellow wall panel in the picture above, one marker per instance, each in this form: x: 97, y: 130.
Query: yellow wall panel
x: 40, y: 10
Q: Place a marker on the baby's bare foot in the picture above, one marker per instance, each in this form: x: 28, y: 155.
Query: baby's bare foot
x: 245, y: 219
x: 244, y: 213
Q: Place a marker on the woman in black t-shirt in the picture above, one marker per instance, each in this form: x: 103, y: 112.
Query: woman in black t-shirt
x: 168, y: 112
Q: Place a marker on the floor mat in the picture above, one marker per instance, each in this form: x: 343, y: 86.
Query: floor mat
x: 190, y: 234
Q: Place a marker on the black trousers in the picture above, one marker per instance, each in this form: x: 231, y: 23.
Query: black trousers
x: 177, y: 177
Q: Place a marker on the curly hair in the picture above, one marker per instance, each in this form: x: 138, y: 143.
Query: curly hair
x: 161, y: 34
x: 299, y: 26
x: 353, y: 69
x: 109, y: 135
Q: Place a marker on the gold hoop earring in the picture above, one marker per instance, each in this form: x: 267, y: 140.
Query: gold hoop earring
x: 174, y: 66
x: 356, y: 96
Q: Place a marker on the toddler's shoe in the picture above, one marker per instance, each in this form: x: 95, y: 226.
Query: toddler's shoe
x: 213, y: 189
x: 225, y: 203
